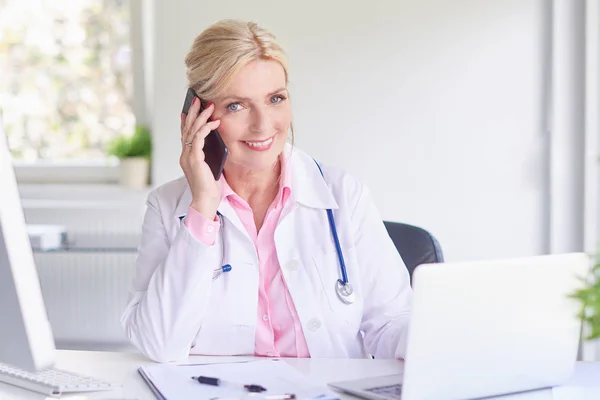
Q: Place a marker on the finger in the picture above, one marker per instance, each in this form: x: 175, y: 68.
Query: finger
x: 183, y: 145
x: 183, y: 132
x: 202, y: 132
x: 202, y: 118
x: 206, y: 129
x: 185, y: 148
x: 186, y: 145
x: 183, y: 116
x: 198, y: 121
x: 196, y: 151
x: 192, y: 113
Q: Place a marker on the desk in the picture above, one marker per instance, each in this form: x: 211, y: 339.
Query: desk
x: 121, y: 369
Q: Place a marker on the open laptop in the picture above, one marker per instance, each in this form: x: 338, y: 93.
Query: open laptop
x: 487, y: 328
x: 27, y: 353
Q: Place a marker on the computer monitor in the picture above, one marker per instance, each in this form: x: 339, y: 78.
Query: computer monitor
x: 25, y: 331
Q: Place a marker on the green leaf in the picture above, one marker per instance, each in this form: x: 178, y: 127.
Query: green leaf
x: 137, y: 145
x: 141, y: 142
x: 589, y: 298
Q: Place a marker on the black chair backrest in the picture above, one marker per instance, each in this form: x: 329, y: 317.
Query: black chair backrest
x: 415, y: 245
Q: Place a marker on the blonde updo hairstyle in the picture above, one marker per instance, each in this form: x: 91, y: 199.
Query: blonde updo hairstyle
x: 224, y: 48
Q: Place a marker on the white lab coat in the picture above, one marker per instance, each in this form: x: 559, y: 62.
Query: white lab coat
x: 176, y: 309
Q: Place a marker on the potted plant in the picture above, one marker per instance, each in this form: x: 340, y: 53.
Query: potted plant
x: 589, y: 297
x: 134, y: 152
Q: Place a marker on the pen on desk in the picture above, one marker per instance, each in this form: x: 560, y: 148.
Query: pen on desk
x: 206, y: 380
x: 287, y: 396
x: 258, y: 396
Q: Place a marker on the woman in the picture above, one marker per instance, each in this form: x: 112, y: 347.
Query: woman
x: 266, y: 217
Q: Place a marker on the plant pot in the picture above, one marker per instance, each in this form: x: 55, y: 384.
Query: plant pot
x: 134, y: 172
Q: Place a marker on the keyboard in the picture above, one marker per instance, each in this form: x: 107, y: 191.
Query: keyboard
x: 389, y: 391
x: 52, y: 382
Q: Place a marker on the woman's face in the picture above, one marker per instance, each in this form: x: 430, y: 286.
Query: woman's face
x: 255, y: 115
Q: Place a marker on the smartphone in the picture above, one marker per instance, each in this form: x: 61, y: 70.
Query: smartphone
x: 215, y: 151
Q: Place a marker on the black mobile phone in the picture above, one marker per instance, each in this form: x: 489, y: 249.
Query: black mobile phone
x: 215, y: 151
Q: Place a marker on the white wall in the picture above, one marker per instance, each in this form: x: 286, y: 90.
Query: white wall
x: 436, y: 105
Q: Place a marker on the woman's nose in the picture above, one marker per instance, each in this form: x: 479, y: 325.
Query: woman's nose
x: 260, y: 120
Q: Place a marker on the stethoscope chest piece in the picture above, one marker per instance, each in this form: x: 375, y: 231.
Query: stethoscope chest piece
x: 345, y: 292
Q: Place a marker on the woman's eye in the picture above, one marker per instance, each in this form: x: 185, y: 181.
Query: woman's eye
x: 234, y: 107
x: 277, y: 99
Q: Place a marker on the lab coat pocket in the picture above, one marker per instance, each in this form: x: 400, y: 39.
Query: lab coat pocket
x: 328, y: 269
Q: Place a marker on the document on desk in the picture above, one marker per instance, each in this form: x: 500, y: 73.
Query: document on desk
x: 584, y: 384
x: 587, y: 374
x: 174, y: 382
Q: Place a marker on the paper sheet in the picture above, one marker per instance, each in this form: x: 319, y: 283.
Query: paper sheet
x: 175, y: 381
x: 584, y: 385
x: 576, y: 393
x: 587, y: 374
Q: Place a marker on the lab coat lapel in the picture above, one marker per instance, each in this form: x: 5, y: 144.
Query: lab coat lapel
x: 309, y: 187
x: 231, y: 216
x: 309, y: 191
x: 298, y: 275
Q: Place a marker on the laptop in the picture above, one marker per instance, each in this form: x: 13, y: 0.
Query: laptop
x: 486, y: 328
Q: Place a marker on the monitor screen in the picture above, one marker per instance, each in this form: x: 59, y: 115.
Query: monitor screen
x: 25, y: 332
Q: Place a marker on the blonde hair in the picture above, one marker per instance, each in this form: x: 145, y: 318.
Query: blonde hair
x: 223, y: 49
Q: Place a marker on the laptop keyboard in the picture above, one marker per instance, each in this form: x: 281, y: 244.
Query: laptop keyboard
x: 390, y: 391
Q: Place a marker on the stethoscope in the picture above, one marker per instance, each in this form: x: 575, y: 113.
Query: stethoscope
x: 343, y: 288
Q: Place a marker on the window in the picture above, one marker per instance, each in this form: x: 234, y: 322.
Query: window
x: 66, y: 81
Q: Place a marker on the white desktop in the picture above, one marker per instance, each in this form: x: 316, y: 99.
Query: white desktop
x: 31, y: 352
x: 478, y: 328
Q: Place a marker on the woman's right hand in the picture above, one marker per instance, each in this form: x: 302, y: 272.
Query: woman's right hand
x: 206, y: 192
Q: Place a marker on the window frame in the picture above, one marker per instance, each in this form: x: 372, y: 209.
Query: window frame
x: 102, y: 171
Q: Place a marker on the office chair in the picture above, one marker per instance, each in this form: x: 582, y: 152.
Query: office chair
x: 415, y: 245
